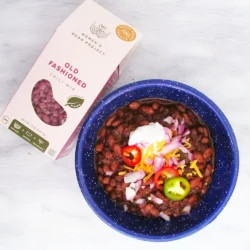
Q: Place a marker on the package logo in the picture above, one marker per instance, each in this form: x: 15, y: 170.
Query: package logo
x: 125, y: 33
x: 99, y: 30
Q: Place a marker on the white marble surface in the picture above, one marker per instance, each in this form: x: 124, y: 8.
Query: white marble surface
x: 199, y: 42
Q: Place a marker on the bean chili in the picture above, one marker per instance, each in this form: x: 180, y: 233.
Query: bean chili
x: 149, y: 199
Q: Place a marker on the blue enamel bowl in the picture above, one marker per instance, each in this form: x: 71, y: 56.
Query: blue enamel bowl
x: 225, y: 174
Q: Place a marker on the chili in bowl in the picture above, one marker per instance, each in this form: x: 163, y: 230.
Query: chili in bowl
x: 157, y: 160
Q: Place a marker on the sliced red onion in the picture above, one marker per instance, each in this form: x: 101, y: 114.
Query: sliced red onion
x: 130, y: 193
x: 175, y: 125
x: 108, y: 173
x: 175, y: 161
x: 186, y: 151
x: 181, y: 129
x: 182, y: 121
x: 164, y: 216
x: 187, y: 132
x: 140, y: 201
x: 137, y: 185
x: 181, y: 163
x: 125, y: 207
x: 184, y: 140
x: 148, y: 161
x: 167, y: 139
x: 142, y: 187
x: 176, y: 139
x: 170, y: 162
x: 134, y: 176
x: 169, y: 119
x: 157, y: 200
x: 170, y: 147
x: 152, y: 185
x: 158, y: 163
x: 186, y: 209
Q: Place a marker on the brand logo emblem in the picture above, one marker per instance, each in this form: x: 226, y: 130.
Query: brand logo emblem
x: 99, y: 30
x: 125, y: 33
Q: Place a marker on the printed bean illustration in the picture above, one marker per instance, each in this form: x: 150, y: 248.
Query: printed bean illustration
x: 45, y: 106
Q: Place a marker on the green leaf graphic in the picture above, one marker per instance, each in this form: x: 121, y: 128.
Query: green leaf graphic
x: 75, y: 102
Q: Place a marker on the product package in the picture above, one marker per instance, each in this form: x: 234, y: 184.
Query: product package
x: 85, y: 56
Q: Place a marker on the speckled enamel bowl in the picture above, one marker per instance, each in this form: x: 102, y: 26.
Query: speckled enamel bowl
x: 225, y: 174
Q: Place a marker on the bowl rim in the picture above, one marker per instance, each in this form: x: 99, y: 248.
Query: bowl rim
x: 141, y: 84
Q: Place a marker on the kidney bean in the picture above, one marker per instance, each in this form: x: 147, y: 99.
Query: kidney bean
x: 111, y: 140
x: 108, y: 155
x: 99, y: 147
x: 113, y: 182
x: 208, y: 153
x: 181, y: 108
x: 106, y: 161
x: 114, y: 165
x: 198, y: 156
x: 176, y: 115
x: 117, y: 135
x: 119, y: 178
x: 205, y: 140
x: 204, y: 189
x: 192, y: 199
x: 155, y: 105
x: 200, y: 129
x: 134, y: 105
x: 187, y: 119
x: 102, y: 133
x: 42, y: 105
x: 161, y: 196
x: 46, y: 112
x: 113, y: 195
x: 128, y: 117
x: 42, y: 94
x: 205, y: 132
x: 149, y: 181
x: 100, y: 178
x: 110, y: 120
x: 100, y: 170
x: 57, y: 106
x: 120, y: 113
x: 193, y: 133
x: 46, y: 119
x: 201, y: 165
x: 208, y: 180
x: 195, y: 183
x: 106, y: 180
x: 124, y: 185
x: 155, y: 212
x: 143, y: 122
x: 109, y: 188
x: 209, y: 170
x: 115, y: 123
x: 38, y: 110
x: 106, y: 168
x: 147, y: 110
x: 148, y: 208
x: 117, y: 149
x: 120, y: 128
x: 126, y: 132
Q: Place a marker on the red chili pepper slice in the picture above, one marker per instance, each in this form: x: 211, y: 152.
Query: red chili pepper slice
x: 163, y: 174
x: 131, y: 155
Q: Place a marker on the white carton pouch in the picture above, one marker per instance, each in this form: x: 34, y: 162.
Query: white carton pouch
x: 80, y: 61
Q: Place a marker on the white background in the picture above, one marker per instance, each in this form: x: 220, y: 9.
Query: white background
x: 203, y: 43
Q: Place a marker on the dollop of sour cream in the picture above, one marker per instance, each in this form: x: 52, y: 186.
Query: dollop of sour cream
x: 148, y: 134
